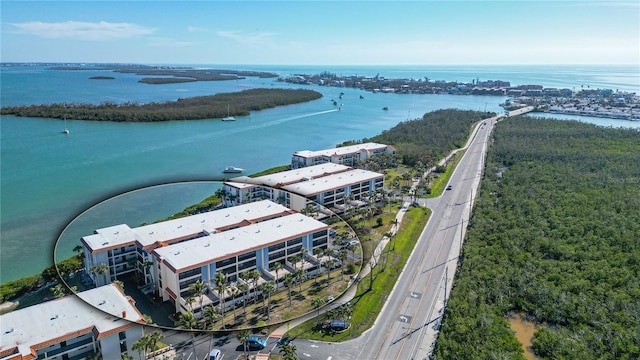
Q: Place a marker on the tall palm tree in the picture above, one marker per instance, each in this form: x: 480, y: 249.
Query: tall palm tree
x: 267, y: 288
x: 211, y: 314
x: 197, y: 289
x: 255, y: 277
x: 342, y: 256
x: 140, y: 346
x: 188, y: 321
x: 221, y: 284
x: 299, y: 274
x: 289, y: 280
x: 294, y: 260
x: 329, y: 264
x: 245, y: 290
x: 233, y: 292
x: 277, y: 267
x: 154, y: 338
x: 243, y: 336
x: 101, y: 269
x: 317, y: 303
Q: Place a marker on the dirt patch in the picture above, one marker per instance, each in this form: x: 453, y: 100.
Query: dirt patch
x: 524, y: 331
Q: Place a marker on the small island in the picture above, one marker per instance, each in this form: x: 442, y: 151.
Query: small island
x: 102, y: 78
x: 194, y: 108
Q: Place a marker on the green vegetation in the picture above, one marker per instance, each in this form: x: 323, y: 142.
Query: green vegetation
x: 195, y: 108
x: 427, y: 140
x: 373, y: 290
x: 555, y: 236
x: 11, y: 290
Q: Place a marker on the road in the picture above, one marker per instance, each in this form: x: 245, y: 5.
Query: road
x: 407, y: 326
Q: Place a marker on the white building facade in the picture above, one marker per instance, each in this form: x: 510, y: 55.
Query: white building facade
x: 346, y: 155
x: 70, y: 328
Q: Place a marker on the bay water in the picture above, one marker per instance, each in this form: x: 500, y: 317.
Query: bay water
x: 48, y: 178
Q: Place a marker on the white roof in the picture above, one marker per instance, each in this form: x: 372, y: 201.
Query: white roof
x: 67, y: 317
x: 340, y: 150
x: 121, y: 235
x: 297, y: 175
x: 336, y: 181
x: 198, y: 252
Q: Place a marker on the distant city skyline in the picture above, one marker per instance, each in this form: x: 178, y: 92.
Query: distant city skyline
x: 322, y: 32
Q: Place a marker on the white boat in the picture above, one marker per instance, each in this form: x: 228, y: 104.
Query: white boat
x: 232, y: 170
x: 66, y: 130
x: 228, y: 117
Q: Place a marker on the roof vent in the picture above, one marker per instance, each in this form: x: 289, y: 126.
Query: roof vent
x: 9, y: 331
x: 102, y: 302
x: 180, y: 227
x: 54, y: 317
x: 177, y: 253
x: 105, y: 243
x: 202, y: 221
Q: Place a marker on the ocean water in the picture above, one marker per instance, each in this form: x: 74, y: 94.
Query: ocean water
x: 49, y: 178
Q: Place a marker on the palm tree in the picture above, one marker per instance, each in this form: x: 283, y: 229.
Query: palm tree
x: 288, y: 350
x: 221, y: 284
x: 154, y: 338
x: 243, y: 336
x: 101, y: 269
x: 197, y: 289
x: 289, y: 280
x: 317, y: 303
x: 342, y: 256
x: 233, y: 292
x: 255, y: 275
x: 299, y: 274
x: 141, y: 346
x: 294, y: 260
x: 211, y: 314
x: 188, y: 321
x: 267, y: 288
x: 277, y: 267
x: 245, y: 289
x: 329, y: 264
x: 190, y: 300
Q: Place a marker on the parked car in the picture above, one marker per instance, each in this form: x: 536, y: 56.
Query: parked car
x: 215, y: 354
x: 449, y: 187
x: 256, y: 343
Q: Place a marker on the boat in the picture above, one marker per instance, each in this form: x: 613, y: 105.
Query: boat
x: 66, y: 130
x: 232, y: 170
x: 228, y: 117
x: 385, y: 108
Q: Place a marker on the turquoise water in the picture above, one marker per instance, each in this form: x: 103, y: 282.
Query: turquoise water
x: 48, y: 178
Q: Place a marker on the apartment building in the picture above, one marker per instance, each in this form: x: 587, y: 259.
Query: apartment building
x: 119, y: 250
x: 254, y: 246
x: 70, y: 328
x: 346, y: 155
x: 326, y: 184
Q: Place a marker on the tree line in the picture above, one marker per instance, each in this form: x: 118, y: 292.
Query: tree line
x: 554, y: 235
x: 194, y: 108
x: 430, y: 138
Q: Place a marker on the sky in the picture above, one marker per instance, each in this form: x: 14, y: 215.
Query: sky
x: 322, y: 32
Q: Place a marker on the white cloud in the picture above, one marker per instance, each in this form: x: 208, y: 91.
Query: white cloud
x: 82, y: 30
x: 196, y: 29
x: 259, y: 38
x: 167, y: 42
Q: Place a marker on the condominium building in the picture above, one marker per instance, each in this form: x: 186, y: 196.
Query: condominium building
x: 346, y: 155
x: 118, y: 250
x: 73, y: 328
x: 254, y: 246
x: 326, y: 184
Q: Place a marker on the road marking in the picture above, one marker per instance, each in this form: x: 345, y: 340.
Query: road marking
x: 307, y: 355
x: 314, y: 346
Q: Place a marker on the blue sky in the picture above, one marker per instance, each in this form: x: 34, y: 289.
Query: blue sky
x: 322, y: 32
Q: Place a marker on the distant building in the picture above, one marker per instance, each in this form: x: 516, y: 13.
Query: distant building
x: 68, y: 328
x: 328, y: 185
x: 346, y: 155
